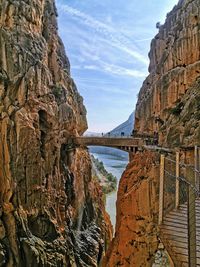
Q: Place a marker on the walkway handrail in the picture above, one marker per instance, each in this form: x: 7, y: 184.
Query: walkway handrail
x: 184, y: 177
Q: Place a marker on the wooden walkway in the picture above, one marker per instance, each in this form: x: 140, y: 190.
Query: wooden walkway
x: 179, y: 224
x: 180, y: 227
x: 174, y: 235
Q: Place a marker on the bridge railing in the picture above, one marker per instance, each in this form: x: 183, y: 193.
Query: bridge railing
x: 142, y: 139
x: 179, y: 184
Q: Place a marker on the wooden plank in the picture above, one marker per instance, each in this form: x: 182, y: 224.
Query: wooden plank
x: 172, y: 238
x: 175, y: 224
x: 171, y: 232
x: 180, y: 214
x: 175, y: 229
x: 182, y: 257
x: 174, y: 213
x: 183, y: 208
x: 180, y: 250
x: 184, y: 212
x: 176, y: 243
x: 175, y: 220
x: 177, y: 217
x: 198, y: 262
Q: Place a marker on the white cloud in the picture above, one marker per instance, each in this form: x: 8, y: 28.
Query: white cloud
x: 113, y: 69
x: 111, y: 35
x: 106, y: 88
x: 143, y: 40
x: 91, y: 67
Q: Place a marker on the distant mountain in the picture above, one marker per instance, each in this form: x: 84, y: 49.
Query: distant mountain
x: 126, y: 127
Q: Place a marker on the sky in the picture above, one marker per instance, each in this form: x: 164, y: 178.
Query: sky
x: 107, y: 43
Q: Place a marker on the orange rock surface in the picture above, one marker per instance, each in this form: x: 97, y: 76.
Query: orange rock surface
x: 168, y: 103
x: 168, y: 100
x: 136, y: 238
x: 51, y: 211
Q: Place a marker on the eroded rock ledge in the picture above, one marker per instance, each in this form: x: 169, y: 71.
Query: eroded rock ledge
x: 50, y: 208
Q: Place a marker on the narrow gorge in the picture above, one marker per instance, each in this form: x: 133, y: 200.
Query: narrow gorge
x: 52, y: 211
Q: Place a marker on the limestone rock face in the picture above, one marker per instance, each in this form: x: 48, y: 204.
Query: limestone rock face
x: 168, y: 103
x: 169, y: 98
x: 136, y: 238
x: 51, y: 211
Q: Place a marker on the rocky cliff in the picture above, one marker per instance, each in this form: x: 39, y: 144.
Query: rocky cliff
x: 51, y: 212
x: 169, y: 98
x: 169, y: 104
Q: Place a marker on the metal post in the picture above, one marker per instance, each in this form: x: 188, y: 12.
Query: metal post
x: 177, y: 180
x: 198, y: 166
x: 161, y: 190
x: 191, y: 218
x: 196, y: 162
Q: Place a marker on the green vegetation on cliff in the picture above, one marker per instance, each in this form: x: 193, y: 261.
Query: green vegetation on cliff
x: 107, y: 180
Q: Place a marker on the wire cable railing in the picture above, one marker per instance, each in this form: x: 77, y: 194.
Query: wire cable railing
x: 179, y: 184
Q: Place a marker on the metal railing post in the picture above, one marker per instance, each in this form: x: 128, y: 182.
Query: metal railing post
x: 196, y: 164
x: 161, y: 189
x: 177, y: 180
x: 191, y: 218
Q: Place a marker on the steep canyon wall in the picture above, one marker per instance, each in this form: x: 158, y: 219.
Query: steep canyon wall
x: 168, y: 103
x: 51, y: 211
x: 169, y: 98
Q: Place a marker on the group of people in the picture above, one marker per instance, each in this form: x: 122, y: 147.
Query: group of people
x: 150, y: 139
x: 108, y: 134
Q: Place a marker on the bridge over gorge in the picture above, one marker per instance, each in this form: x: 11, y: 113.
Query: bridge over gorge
x: 130, y: 144
x: 125, y: 143
x: 179, y: 193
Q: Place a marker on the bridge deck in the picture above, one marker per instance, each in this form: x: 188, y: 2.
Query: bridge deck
x: 109, y: 141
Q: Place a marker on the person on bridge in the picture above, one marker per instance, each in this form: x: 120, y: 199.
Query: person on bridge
x: 134, y: 132
x: 155, y: 138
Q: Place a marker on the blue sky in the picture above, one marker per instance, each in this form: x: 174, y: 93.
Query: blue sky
x: 107, y: 43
